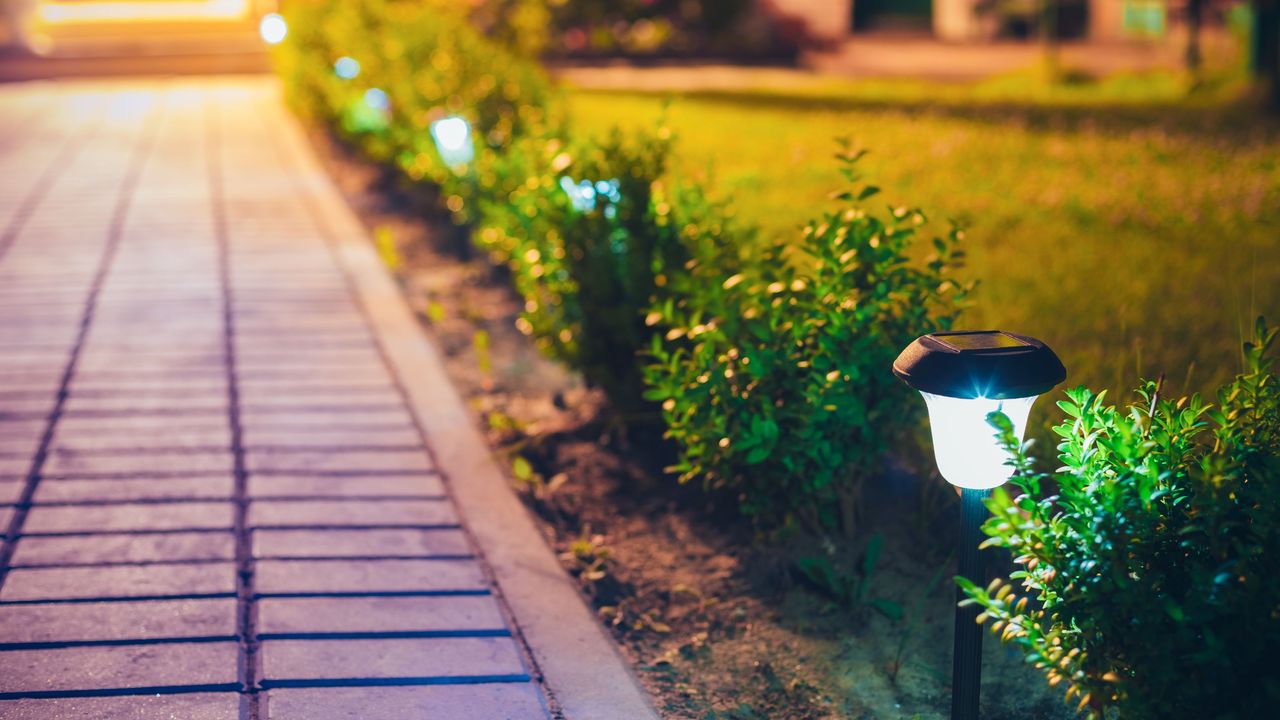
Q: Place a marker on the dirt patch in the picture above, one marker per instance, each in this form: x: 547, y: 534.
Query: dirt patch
x: 717, y: 623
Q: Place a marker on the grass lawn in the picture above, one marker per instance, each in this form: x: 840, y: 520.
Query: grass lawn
x: 1135, y: 238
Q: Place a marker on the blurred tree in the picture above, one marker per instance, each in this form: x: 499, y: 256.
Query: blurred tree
x: 1195, y: 14
x: 1049, y: 37
x: 1264, y: 55
x: 522, y: 25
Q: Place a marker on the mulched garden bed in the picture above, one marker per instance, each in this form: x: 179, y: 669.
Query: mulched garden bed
x: 717, y: 621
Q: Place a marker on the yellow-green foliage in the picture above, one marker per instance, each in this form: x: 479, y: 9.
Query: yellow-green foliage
x: 429, y: 62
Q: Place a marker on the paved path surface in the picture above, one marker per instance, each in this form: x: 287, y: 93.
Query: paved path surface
x: 215, y: 496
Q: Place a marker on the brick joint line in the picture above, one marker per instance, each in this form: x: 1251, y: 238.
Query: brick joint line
x: 246, y: 610
x: 395, y: 681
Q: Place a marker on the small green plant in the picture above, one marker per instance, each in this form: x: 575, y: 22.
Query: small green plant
x: 773, y: 379
x: 1150, y: 562
x: 588, y: 560
x: 910, y: 622
x: 851, y: 590
x: 384, y: 239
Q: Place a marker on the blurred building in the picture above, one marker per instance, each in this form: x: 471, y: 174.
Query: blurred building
x: 987, y: 20
x: 92, y: 28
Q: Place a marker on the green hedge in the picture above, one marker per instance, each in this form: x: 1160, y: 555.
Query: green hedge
x: 627, y: 272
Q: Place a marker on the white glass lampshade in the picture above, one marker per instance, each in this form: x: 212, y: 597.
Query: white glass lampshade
x: 968, y: 454
x: 453, y: 140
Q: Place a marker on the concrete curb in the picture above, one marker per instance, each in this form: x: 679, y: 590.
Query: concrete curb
x: 584, y: 674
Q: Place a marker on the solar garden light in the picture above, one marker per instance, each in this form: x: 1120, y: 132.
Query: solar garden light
x: 452, y: 136
x: 964, y: 376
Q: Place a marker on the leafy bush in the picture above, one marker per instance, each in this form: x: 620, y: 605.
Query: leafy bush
x: 773, y: 380
x: 593, y: 236
x: 1150, y: 580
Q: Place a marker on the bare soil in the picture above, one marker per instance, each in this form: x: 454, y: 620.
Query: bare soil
x: 716, y: 620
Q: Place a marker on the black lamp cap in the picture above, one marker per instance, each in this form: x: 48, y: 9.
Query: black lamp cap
x: 979, y: 363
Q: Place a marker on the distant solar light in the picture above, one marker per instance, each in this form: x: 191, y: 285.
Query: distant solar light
x: 377, y: 99
x: 273, y: 28
x: 452, y: 136
x: 585, y: 194
x: 346, y: 68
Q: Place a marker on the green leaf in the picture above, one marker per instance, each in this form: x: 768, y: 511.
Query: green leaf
x: 871, y: 555
x: 888, y: 608
x: 521, y: 468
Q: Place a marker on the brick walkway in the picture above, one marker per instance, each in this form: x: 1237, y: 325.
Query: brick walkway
x: 218, y: 502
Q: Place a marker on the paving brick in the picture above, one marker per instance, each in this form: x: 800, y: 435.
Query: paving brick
x: 378, y: 614
x: 345, y: 485
x: 322, y: 356
x: 94, y: 549
x: 213, y: 617
x: 332, y: 576
x: 412, y: 658
x: 335, y: 513
x: 126, y: 517
x: 14, y: 466
x: 142, y: 402
x: 187, y: 706
x: 386, y: 395
x: 208, y: 384
x: 305, y: 416
x: 60, y: 490
x: 21, y: 429
x: 125, y: 666
x: 491, y: 701
x: 200, y: 362
x: 19, y: 446
x: 40, y: 405
x: 178, y: 463
x: 6, y: 513
x: 176, y: 434
x: 358, y: 543
x: 298, y: 461
x: 337, y: 436
x: 10, y: 491
x: 121, y: 581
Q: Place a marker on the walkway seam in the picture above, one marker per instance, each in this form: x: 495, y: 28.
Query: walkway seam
x: 581, y: 668
x: 246, y: 597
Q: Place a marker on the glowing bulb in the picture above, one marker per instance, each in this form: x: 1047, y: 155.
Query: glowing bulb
x: 452, y: 133
x: 452, y: 136
x: 346, y: 68
x: 968, y: 453
x: 585, y: 194
x: 273, y: 28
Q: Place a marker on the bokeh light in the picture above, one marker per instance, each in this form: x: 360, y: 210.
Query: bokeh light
x: 377, y: 99
x: 346, y: 68
x: 273, y: 28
